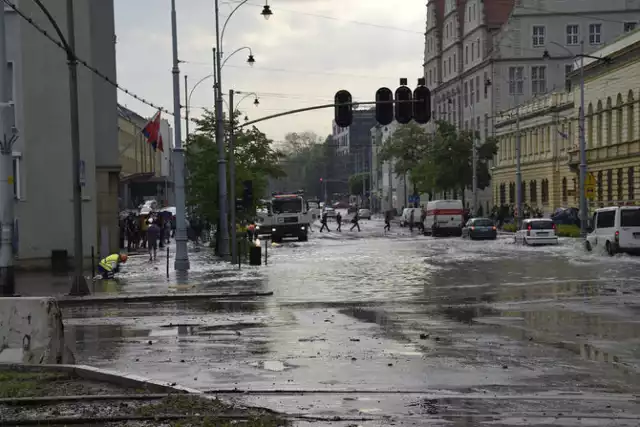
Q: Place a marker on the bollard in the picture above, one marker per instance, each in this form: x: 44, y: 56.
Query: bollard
x: 266, y: 249
x: 167, y: 262
x: 93, y: 262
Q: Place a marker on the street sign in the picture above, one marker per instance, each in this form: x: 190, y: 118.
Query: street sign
x: 590, y: 187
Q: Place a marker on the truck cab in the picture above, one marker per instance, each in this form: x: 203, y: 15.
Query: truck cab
x: 291, y: 217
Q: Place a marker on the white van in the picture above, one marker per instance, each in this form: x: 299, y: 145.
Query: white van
x: 406, y: 214
x: 444, y: 217
x: 616, y: 228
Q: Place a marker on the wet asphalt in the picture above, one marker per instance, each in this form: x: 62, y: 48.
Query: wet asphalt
x: 379, y: 328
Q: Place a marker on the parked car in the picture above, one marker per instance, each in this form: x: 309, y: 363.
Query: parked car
x: 364, y: 214
x: 331, y: 213
x: 617, y: 229
x: 537, y: 231
x: 406, y: 213
x: 480, y: 228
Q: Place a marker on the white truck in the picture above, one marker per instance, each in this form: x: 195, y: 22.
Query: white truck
x: 287, y: 215
x: 444, y: 218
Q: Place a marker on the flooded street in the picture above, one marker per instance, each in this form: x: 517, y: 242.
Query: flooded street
x: 391, y: 329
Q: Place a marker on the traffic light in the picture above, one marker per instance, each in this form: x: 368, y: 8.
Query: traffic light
x: 422, y: 105
x: 343, y: 113
x: 404, y: 110
x: 384, y: 112
x: 247, y: 194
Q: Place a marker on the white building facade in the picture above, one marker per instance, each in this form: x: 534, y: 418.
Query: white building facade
x: 44, y: 184
x: 484, y: 57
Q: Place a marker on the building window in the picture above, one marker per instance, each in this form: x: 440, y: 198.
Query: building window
x: 538, y: 35
x: 629, y: 26
x: 533, y: 191
x: 503, y: 194
x: 466, y: 94
x: 478, y: 48
x: 573, y: 32
x: 524, y: 190
x: 620, y: 184
x: 486, y: 86
x: 565, y: 194
x: 539, y: 80
x: 17, y: 193
x: 466, y: 54
x: 471, y: 91
x: 512, y: 192
x: 449, y: 60
x: 630, y: 115
x: 609, y: 185
x: 455, y: 62
x: 630, y: 184
x: 477, y: 88
x: 545, y: 191
x: 516, y: 80
x: 567, y: 80
x: 595, y: 33
x: 453, y: 103
x: 486, y: 126
x: 600, y: 186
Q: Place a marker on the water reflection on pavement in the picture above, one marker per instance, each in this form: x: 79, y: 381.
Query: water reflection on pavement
x: 444, y: 330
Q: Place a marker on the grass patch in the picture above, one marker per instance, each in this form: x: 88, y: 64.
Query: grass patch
x: 206, y: 412
x: 564, y: 230
x: 510, y: 228
x: 29, y: 384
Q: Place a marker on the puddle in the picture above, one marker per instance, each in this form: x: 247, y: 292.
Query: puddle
x: 270, y: 365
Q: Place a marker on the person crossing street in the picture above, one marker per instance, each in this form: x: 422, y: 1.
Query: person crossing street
x: 323, y: 221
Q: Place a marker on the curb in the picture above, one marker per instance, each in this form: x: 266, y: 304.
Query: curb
x: 91, y: 299
x: 91, y: 373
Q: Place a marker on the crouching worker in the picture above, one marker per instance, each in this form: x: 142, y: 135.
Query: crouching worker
x: 110, y: 265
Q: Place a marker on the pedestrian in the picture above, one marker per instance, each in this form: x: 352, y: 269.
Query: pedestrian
x: 411, y: 220
x: 387, y: 221
x: 339, y: 221
x: 323, y: 221
x: 143, y: 230
x: 110, y: 265
x: 355, y: 222
x: 153, y: 234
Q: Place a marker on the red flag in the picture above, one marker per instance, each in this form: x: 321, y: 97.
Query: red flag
x: 152, y: 132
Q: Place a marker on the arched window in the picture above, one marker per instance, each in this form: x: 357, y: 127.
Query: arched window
x: 620, y: 185
x: 545, y: 191
x: 630, y: 184
x: 630, y: 124
x: 609, y: 124
x: 609, y: 185
x: 600, y: 197
x: 503, y: 195
x: 599, y: 132
x: 589, y: 136
x: 619, y: 119
x: 565, y: 194
x: 512, y: 192
x: 533, y: 191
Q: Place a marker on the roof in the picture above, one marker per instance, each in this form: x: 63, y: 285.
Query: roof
x: 623, y: 42
x: 128, y: 114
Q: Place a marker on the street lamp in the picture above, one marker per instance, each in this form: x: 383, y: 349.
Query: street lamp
x: 582, y: 140
x: 223, y: 243
x: 266, y: 11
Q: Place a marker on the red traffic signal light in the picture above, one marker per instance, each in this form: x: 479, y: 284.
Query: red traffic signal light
x: 404, y: 107
x: 384, y: 112
x: 422, y: 105
x: 320, y: 179
x: 343, y: 113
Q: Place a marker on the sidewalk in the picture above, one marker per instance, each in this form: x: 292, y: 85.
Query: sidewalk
x: 207, y: 274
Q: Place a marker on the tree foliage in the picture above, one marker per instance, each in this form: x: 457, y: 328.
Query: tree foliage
x: 440, y: 161
x: 255, y: 160
x: 356, y: 183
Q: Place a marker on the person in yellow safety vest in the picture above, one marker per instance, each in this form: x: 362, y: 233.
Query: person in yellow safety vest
x: 110, y: 265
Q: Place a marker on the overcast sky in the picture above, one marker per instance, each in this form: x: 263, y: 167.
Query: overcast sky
x: 306, y: 52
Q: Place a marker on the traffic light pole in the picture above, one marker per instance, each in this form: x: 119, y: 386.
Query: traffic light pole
x: 232, y: 181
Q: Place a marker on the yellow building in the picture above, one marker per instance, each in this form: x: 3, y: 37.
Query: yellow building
x: 612, y: 122
x: 545, y: 128
x: 136, y: 155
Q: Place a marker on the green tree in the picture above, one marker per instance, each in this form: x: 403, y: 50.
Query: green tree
x: 305, y: 163
x: 356, y: 183
x: 255, y: 159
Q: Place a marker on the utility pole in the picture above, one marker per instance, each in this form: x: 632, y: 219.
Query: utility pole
x: 519, y: 194
x: 364, y: 176
x: 223, y: 244
x: 181, y: 263
x: 232, y: 181
x: 7, y: 139
x: 474, y: 186
x: 390, y: 172
x: 584, y: 207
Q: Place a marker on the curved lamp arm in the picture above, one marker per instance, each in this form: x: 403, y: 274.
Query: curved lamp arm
x: 224, y: 26
x: 71, y: 55
x: 234, y: 52
x: 195, y: 86
x: 247, y: 94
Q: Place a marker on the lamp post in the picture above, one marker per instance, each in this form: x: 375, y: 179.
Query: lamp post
x: 79, y: 285
x: 581, y: 132
x: 223, y: 244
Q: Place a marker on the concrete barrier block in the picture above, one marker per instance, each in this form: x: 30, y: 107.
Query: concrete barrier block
x: 31, y: 331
